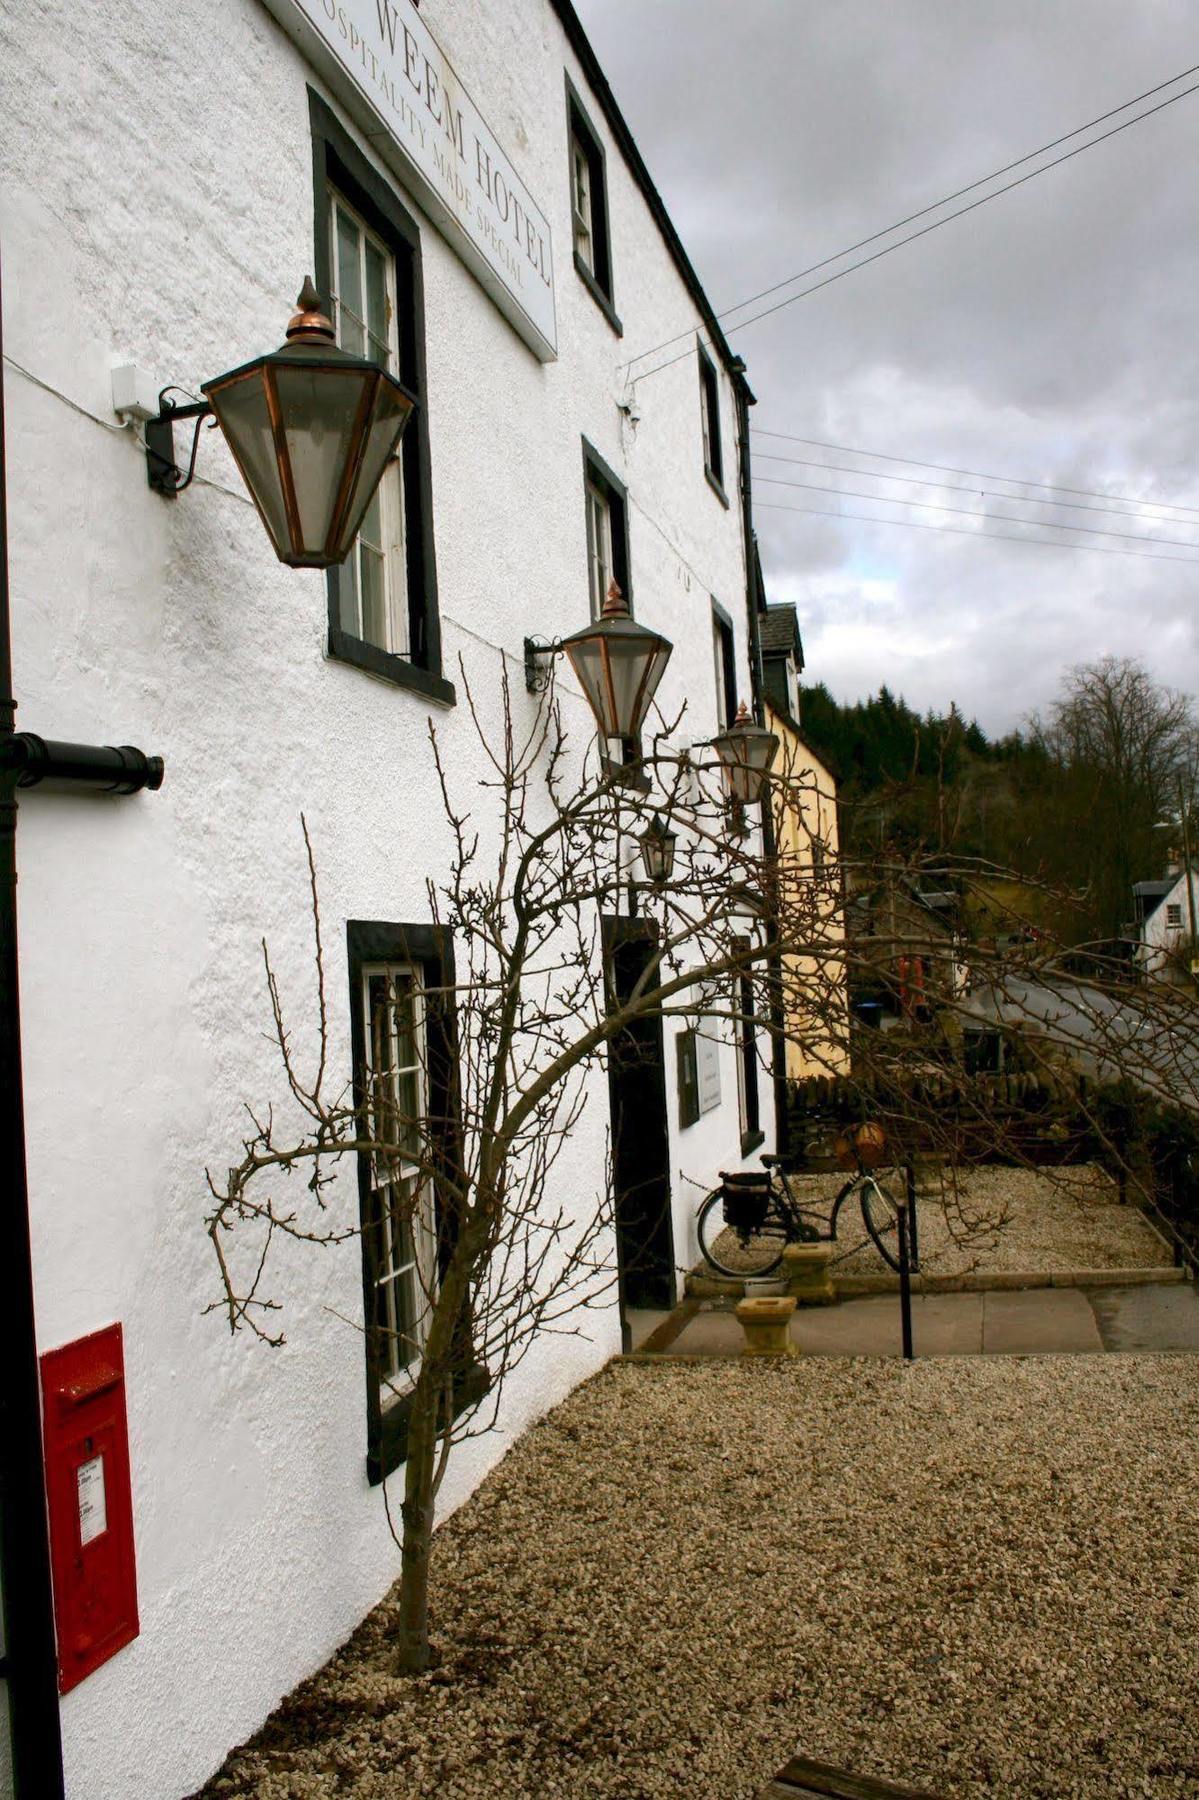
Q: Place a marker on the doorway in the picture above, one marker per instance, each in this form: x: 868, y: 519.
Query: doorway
x: 640, y: 1134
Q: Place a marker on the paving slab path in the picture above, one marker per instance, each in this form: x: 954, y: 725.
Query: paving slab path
x: 1010, y: 1322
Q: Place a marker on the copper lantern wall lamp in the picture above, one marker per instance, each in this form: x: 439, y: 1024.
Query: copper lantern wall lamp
x: 746, y: 753
x: 311, y: 429
x: 657, y: 850
x: 617, y: 663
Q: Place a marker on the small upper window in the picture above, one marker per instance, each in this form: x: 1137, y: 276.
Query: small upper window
x: 589, y: 207
x: 599, y: 545
x: 793, y: 689
x: 725, y: 654
x: 1174, y: 914
x: 580, y: 200
x: 709, y: 400
x: 605, y: 509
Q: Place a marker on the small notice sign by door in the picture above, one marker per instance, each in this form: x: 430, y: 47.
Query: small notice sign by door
x: 707, y: 1056
x: 93, y: 1509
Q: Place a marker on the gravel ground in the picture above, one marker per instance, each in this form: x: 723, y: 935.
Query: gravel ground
x: 999, y: 1218
x: 977, y: 1574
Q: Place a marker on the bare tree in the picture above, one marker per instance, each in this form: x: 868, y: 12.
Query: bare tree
x: 529, y: 1013
x: 1122, y: 745
x: 463, y: 1154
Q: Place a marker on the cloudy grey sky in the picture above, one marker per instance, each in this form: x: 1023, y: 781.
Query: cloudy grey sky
x: 1053, y: 334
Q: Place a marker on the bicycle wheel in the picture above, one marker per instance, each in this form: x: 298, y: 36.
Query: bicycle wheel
x: 880, y: 1212
x: 733, y: 1242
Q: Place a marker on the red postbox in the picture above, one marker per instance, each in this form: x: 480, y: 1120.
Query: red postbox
x: 91, y: 1508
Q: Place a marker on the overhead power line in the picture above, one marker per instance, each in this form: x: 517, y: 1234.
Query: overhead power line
x: 958, y: 487
x: 924, y: 230
x: 1003, y: 537
x: 970, y: 512
x: 916, y: 462
x: 923, y: 212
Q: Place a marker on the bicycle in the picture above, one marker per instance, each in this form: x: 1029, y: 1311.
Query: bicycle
x: 745, y: 1224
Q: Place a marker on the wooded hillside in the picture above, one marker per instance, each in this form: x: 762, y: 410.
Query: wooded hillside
x: 1087, y: 798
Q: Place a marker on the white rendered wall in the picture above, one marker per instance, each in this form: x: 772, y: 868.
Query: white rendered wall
x: 1158, y: 937
x: 156, y: 205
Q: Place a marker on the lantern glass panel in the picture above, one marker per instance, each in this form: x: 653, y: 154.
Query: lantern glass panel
x: 319, y: 408
x: 388, y: 416
x: 244, y: 418
x: 588, y: 661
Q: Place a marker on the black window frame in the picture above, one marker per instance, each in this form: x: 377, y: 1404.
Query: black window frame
x: 597, y: 472
x: 339, y: 166
x: 429, y: 948
x: 710, y: 435
x: 597, y: 281
x: 722, y: 629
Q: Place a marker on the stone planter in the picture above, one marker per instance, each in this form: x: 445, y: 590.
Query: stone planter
x: 806, y: 1272
x: 764, y: 1320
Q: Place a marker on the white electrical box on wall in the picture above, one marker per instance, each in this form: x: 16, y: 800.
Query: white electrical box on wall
x: 134, y: 393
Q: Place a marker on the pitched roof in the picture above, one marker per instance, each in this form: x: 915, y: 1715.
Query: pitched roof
x: 778, y: 629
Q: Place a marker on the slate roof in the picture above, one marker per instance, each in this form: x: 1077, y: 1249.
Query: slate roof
x: 778, y: 630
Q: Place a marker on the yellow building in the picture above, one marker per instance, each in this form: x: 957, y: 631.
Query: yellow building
x: 815, y: 989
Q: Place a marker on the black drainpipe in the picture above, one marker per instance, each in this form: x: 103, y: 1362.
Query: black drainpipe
x: 745, y: 400
x: 30, y: 1664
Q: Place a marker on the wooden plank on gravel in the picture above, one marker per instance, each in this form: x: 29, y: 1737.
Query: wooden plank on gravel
x: 802, y: 1777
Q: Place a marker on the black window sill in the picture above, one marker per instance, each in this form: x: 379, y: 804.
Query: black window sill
x: 385, y: 1456
x: 598, y: 295
x: 750, y: 1141
x: 717, y: 486
x: 396, y: 669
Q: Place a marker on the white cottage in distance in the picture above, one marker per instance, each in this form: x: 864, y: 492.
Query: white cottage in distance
x: 462, y: 186
x: 1164, y: 912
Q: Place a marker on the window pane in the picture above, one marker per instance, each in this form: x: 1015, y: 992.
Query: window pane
x: 372, y: 524
x: 599, y: 548
x: 349, y: 277
x: 408, y: 1110
x: 374, y: 600
x: 347, y: 596
x: 581, y: 204
x: 350, y: 334
x: 403, y: 1024
x: 376, y: 302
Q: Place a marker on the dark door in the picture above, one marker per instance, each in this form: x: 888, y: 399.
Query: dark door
x: 640, y: 1139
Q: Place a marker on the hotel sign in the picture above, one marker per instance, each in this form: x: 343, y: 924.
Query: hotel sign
x: 383, y: 63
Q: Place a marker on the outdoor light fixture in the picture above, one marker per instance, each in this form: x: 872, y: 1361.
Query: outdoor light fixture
x: 311, y: 428
x: 746, y: 752
x: 618, y: 664
x: 657, y: 850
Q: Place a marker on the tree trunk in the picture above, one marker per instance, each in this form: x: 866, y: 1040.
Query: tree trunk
x: 442, y: 1353
x: 412, y: 1631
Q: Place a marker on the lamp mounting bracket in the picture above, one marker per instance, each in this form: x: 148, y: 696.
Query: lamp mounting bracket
x: 539, y: 655
x: 162, y: 471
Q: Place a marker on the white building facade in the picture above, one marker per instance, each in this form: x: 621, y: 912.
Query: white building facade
x: 460, y: 184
